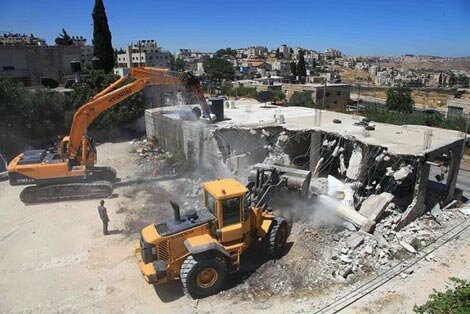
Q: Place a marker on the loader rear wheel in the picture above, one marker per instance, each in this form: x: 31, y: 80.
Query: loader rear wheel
x: 203, y: 277
x: 275, y: 241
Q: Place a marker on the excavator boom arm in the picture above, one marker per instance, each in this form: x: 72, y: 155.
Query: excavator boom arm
x: 111, y: 96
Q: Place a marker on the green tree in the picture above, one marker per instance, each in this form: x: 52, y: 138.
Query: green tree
x: 29, y: 117
x: 301, y: 99
x: 180, y: 65
x: 226, y: 52
x: 277, y: 54
x: 399, y: 99
x: 264, y: 96
x: 218, y: 69
x: 120, y: 115
x: 278, y: 95
x: 226, y: 88
x: 293, y: 68
x: 63, y: 39
x: 103, y: 48
x: 301, y: 70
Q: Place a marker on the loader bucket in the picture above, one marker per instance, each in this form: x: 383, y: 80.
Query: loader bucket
x: 296, y: 179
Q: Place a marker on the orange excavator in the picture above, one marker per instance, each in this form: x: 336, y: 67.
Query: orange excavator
x: 68, y: 171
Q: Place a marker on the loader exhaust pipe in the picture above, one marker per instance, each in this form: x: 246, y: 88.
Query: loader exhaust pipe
x: 176, y: 212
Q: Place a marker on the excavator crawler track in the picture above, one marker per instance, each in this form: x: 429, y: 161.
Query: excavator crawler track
x: 65, y: 192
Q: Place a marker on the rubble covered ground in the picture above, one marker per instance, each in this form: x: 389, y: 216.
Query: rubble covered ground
x: 61, y: 263
x: 325, y: 251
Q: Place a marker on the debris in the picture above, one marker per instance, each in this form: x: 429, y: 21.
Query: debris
x: 348, y: 226
x: 408, y: 247
x: 369, y: 249
x: 450, y: 205
x: 345, y: 272
x: 345, y: 259
x: 465, y: 211
x: 356, y: 241
x: 374, y: 206
x: 354, y: 168
x: 436, y: 210
x: 402, y: 173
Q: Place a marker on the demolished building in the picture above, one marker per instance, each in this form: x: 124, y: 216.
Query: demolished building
x: 371, y: 159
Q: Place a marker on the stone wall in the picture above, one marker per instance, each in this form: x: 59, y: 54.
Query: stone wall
x: 29, y: 64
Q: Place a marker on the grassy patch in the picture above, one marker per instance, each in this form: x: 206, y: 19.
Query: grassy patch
x: 416, y: 243
x: 400, y: 254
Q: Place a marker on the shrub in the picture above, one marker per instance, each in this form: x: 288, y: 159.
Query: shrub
x: 301, y: 99
x: 48, y: 82
x: 453, y: 300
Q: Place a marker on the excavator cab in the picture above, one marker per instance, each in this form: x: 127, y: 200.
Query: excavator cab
x: 86, y: 153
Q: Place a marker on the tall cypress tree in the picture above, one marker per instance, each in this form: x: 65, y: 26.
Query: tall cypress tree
x: 301, y: 70
x: 293, y: 68
x: 103, y: 49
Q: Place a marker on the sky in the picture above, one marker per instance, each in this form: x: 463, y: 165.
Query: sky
x: 369, y: 27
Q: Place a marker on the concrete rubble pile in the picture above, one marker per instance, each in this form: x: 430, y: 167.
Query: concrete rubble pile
x: 154, y: 161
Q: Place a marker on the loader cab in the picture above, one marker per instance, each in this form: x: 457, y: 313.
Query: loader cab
x: 225, y: 199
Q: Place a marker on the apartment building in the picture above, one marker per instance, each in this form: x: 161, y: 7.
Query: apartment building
x: 144, y: 53
x: 11, y: 39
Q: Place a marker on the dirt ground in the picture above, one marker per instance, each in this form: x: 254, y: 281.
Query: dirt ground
x: 55, y: 259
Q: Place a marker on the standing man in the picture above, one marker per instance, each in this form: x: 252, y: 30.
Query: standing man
x: 104, y: 217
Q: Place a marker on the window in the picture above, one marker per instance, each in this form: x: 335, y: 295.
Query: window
x: 327, y: 94
x: 452, y: 110
x: 209, y: 201
x: 150, y: 58
x: 8, y: 67
x: 338, y: 93
x: 231, y: 210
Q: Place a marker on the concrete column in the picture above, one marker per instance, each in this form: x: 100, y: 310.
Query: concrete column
x: 456, y: 157
x: 315, y: 147
x: 417, y: 207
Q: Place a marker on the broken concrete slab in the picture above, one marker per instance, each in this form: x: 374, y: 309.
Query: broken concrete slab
x: 408, y: 247
x: 354, y: 168
x: 356, y: 241
x: 465, y: 211
x: 374, y: 206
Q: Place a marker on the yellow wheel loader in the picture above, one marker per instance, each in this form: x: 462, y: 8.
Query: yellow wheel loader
x: 202, y: 247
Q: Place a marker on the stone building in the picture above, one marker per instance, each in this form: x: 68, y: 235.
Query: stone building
x: 30, y: 64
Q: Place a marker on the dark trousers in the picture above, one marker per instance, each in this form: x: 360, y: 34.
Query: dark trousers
x: 105, y: 227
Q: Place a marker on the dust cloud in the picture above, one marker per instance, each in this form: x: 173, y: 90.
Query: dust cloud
x: 319, y: 211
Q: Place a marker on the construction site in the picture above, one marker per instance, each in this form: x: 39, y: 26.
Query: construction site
x: 233, y: 205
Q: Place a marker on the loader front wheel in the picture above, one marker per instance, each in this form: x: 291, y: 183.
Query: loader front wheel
x: 274, y: 242
x: 203, y: 277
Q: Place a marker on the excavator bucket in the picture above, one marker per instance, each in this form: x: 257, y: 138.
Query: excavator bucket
x: 293, y: 179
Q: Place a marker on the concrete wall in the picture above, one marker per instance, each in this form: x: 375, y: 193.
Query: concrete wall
x: 337, y: 95
x: 29, y: 64
x: 196, y: 142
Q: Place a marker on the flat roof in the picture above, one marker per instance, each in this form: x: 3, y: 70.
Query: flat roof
x: 222, y: 188
x: 398, y: 139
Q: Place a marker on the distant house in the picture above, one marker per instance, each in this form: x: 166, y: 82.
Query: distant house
x: 458, y: 106
x: 144, y: 53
